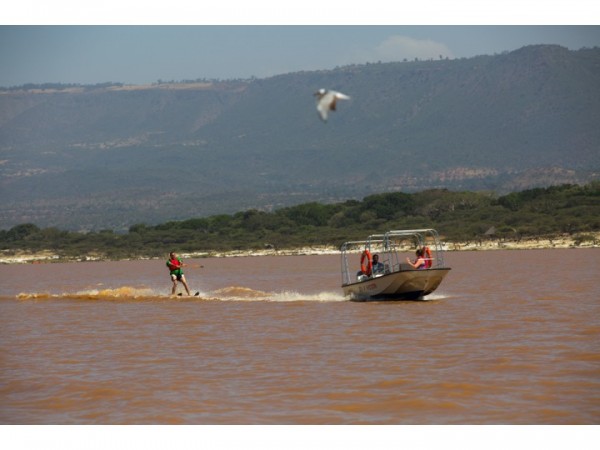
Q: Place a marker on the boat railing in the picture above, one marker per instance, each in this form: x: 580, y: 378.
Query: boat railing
x: 389, y: 245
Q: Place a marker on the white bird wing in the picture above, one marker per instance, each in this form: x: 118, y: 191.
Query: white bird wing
x: 326, y: 103
x: 341, y: 96
x: 323, y: 112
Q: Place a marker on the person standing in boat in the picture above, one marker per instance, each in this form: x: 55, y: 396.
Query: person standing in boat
x: 419, y: 261
x: 175, y: 271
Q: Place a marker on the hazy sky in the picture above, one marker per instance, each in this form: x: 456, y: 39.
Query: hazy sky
x: 145, y: 53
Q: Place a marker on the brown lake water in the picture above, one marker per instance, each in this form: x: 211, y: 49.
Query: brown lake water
x: 510, y: 337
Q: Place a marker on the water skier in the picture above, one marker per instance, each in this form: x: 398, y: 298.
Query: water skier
x: 175, y: 271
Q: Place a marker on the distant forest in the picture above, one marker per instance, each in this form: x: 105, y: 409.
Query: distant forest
x: 105, y: 85
x: 458, y: 216
x: 58, y: 86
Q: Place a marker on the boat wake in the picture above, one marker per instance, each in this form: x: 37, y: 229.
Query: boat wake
x: 238, y: 293
x: 226, y: 294
x: 231, y: 293
x: 124, y: 293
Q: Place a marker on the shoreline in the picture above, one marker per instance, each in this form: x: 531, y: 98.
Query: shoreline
x: 557, y: 242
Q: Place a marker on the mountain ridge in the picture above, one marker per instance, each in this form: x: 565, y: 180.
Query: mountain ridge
x: 115, y: 155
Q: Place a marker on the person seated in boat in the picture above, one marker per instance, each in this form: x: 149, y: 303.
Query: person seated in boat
x: 419, y: 261
x: 378, y: 268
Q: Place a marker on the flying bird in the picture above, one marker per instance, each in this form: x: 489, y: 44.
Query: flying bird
x: 326, y: 101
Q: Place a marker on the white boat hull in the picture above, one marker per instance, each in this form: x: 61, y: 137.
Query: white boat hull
x: 403, y: 285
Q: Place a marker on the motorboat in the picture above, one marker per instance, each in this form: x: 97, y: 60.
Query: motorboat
x: 394, y: 278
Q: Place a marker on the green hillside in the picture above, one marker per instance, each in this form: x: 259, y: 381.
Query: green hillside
x: 459, y: 216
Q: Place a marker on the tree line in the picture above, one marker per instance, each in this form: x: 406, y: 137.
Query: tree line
x: 58, y: 86
x: 458, y: 216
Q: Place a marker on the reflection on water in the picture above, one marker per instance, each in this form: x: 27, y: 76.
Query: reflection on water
x: 511, y: 337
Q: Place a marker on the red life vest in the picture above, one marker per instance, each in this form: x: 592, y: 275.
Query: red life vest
x: 427, y: 256
x: 174, y: 264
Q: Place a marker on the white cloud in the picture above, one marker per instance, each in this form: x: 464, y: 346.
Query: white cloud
x: 398, y: 48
